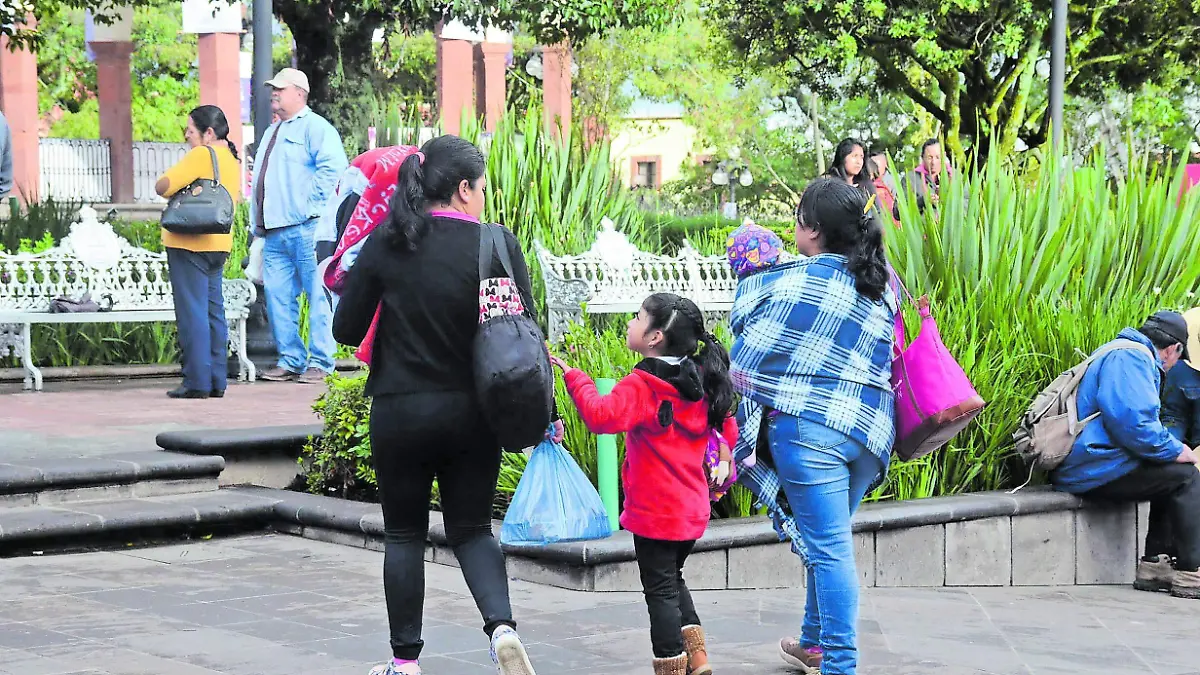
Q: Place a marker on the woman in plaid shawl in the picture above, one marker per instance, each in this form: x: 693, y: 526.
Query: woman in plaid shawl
x: 812, y: 361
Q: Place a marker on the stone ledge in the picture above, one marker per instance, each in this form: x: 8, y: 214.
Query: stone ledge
x: 41, y: 474
x: 85, y: 520
x: 236, y: 443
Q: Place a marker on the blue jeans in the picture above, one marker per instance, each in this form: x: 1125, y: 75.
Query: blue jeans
x: 200, y: 317
x: 825, y: 475
x: 290, y: 268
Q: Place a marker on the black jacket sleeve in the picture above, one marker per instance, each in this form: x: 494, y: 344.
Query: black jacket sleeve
x: 360, y: 298
x: 521, y: 273
x: 524, y: 286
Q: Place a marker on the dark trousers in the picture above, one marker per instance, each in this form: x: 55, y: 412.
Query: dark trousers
x: 1173, y: 491
x: 200, y: 317
x: 667, y: 596
x: 414, y: 439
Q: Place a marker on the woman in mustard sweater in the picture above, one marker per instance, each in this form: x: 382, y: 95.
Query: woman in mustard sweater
x: 197, y: 262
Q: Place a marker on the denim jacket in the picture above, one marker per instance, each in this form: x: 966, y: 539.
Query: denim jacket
x: 303, y: 170
x: 1181, y: 404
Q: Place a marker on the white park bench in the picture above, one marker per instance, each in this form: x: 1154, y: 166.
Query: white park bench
x: 614, y: 277
x: 94, y: 260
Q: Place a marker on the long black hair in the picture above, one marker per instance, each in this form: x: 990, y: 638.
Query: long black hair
x: 839, y: 212
x: 682, y: 325
x: 428, y: 178
x: 207, y: 117
x: 837, y: 169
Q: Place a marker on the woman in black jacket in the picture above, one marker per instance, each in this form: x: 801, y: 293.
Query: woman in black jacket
x: 420, y: 269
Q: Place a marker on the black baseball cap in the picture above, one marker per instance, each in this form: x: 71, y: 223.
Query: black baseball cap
x: 1172, y: 325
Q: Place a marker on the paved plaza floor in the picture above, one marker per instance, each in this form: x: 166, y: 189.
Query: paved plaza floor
x: 266, y: 604
x: 71, y: 419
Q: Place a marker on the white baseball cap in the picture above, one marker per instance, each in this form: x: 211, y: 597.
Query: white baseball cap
x: 289, y: 77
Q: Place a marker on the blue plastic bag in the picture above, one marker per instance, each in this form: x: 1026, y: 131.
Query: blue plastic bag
x: 554, y: 502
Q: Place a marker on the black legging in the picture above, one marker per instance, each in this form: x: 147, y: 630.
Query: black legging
x: 415, y: 438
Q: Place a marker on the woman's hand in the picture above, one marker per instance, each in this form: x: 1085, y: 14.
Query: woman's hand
x: 556, y: 432
x: 559, y: 363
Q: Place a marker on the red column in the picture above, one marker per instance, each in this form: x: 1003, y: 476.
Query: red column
x: 18, y: 101
x: 495, y: 63
x: 456, y: 82
x: 114, y: 81
x: 556, y: 86
x: 220, y: 78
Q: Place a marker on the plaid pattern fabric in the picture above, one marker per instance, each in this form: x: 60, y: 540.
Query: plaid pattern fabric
x: 808, y: 345
x: 763, y: 483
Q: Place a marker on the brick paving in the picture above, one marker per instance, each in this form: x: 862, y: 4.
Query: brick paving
x: 277, y: 604
x: 90, y: 419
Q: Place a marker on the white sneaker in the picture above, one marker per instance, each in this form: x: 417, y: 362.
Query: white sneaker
x: 509, y: 654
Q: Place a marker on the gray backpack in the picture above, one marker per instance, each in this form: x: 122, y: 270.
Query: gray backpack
x: 1048, y: 429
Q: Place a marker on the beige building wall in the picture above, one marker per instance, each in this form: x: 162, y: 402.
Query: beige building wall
x: 666, y: 143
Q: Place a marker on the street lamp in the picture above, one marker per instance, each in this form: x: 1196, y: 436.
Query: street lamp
x: 732, y: 173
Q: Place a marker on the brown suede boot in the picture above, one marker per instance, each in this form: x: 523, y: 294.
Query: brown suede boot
x: 697, y: 651
x: 676, y: 665
x: 1154, y: 576
x: 1186, y: 585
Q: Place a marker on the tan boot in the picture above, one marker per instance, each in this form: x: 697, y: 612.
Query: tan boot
x: 676, y: 665
x: 697, y: 651
x: 1186, y: 585
x: 1155, y: 576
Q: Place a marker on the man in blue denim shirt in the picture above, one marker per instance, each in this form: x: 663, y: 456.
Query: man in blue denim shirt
x: 297, y: 162
x: 1181, y: 394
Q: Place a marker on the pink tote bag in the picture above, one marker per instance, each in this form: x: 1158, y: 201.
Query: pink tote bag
x: 934, y: 398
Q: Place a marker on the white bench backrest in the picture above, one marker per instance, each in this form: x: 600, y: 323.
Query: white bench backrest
x: 93, y: 259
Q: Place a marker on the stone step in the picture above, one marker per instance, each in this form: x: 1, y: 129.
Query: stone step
x: 264, y: 456
x: 33, y: 481
x: 83, y: 524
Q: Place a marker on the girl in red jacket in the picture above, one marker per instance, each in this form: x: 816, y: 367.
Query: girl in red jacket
x: 668, y: 408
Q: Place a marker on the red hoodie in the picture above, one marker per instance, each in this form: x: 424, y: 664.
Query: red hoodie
x: 666, y: 489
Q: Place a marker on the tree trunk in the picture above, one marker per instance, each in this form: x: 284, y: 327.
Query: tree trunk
x: 336, y: 54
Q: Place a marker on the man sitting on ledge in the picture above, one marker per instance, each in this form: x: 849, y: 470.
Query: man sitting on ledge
x: 1127, y: 455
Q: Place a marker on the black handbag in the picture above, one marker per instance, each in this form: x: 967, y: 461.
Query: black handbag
x: 204, y: 207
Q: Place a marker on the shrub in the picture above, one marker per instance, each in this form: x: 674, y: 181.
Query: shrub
x: 338, y: 463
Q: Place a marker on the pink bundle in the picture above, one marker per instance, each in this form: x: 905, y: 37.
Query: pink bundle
x: 380, y: 168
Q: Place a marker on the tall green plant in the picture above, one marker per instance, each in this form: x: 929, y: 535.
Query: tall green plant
x: 1026, y: 278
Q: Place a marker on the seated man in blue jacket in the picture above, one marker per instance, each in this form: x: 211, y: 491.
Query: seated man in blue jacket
x: 1181, y: 394
x: 1127, y: 455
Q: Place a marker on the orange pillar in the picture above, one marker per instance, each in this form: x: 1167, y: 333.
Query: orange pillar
x: 456, y: 82
x: 556, y: 86
x: 220, y: 78
x: 495, y: 63
x: 114, y: 82
x: 19, y: 103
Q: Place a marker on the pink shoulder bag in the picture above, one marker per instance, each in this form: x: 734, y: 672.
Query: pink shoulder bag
x: 934, y: 398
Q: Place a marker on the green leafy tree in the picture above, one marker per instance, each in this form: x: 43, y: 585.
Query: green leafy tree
x: 165, y: 83
x: 14, y: 12
x: 334, y: 39
x: 974, y: 66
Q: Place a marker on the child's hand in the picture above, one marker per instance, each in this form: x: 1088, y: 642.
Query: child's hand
x: 559, y: 363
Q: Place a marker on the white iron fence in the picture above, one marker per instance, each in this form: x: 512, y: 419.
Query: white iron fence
x: 151, y: 160
x: 75, y: 169
x: 78, y: 169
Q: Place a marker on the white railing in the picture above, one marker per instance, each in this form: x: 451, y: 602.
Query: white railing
x: 76, y: 169
x: 151, y: 160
